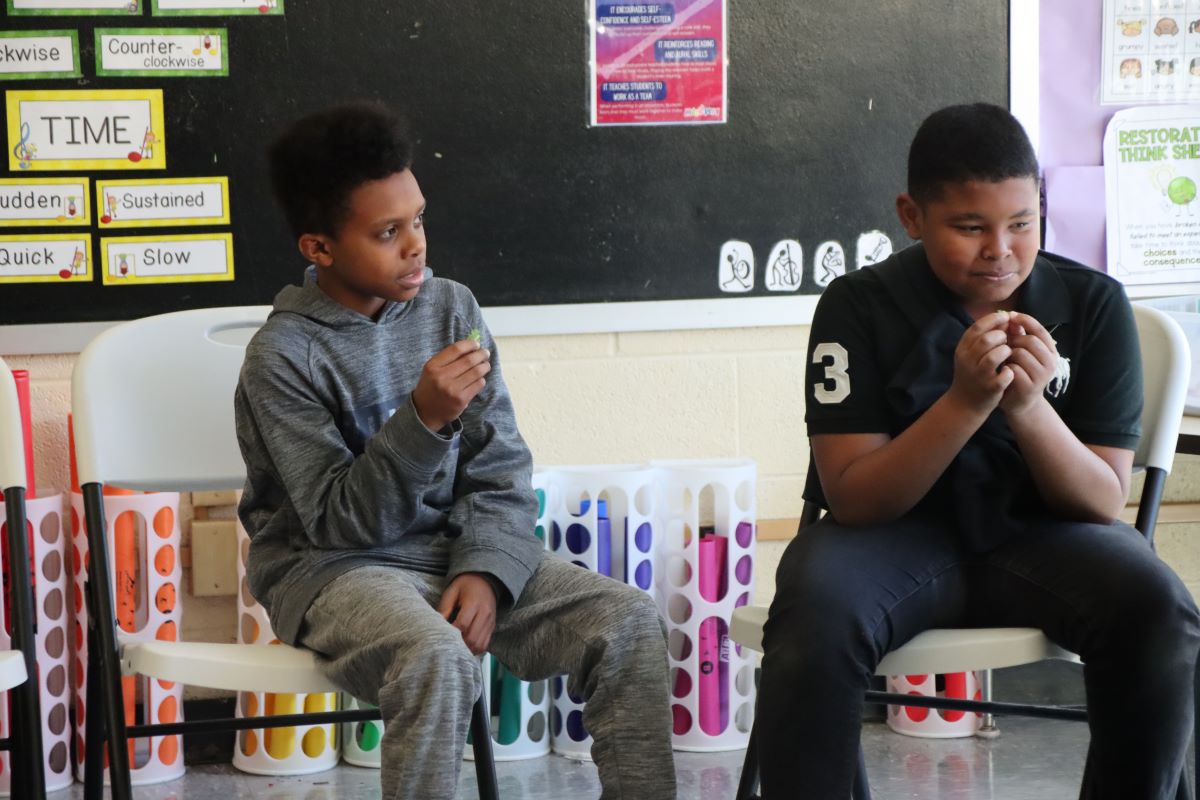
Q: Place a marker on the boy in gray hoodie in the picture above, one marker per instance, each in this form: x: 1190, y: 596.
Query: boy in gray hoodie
x: 388, y: 495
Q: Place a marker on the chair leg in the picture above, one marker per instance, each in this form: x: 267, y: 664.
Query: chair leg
x: 28, y: 776
x: 748, y: 785
x: 862, y: 787
x: 104, y: 652
x: 93, y: 744
x: 481, y: 743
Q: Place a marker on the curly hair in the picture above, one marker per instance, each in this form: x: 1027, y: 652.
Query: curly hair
x: 318, y: 162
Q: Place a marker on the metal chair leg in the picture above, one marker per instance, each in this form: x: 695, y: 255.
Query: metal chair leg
x: 748, y: 784
x: 481, y: 743
x: 93, y: 745
x: 862, y: 787
x: 109, y: 701
x: 28, y: 776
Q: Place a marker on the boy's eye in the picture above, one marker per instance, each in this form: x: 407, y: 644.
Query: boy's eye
x: 419, y: 220
x: 969, y: 228
x: 1020, y: 226
x: 389, y: 233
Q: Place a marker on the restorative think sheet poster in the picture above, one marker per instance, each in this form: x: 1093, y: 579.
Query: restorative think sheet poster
x: 658, y: 63
x: 1151, y: 174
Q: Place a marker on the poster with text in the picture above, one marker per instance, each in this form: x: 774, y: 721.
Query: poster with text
x: 658, y: 63
x: 85, y: 129
x: 1151, y: 52
x: 1151, y: 171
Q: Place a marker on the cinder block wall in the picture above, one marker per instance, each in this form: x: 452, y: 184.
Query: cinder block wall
x: 618, y: 398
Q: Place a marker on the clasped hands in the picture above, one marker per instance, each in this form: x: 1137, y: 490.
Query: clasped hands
x: 1004, y: 360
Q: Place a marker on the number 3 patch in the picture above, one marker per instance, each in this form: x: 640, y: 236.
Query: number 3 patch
x: 837, y: 365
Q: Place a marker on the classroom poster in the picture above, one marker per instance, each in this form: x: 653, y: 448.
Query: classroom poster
x: 1151, y: 171
x: 44, y: 201
x: 194, y: 8
x: 1151, y: 52
x: 50, y: 258
x: 658, y: 63
x: 25, y: 55
x: 66, y: 7
x: 102, y: 129
x: 132, y: 260
x: 169, y: 52
x: 170, y: 202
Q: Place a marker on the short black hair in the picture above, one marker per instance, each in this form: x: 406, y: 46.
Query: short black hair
x: 976, y: 142
x: 322, y: 158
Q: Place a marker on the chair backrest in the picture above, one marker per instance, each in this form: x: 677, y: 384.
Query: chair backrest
x: 152, y: 401
x: 12, y: 437
x: 1166, y: 371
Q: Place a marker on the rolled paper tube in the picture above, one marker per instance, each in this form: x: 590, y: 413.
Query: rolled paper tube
x: 21, y: 376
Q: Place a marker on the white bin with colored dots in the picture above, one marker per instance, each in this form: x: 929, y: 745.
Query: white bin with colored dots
x: 298, y: 750
x: 143, y: 540
x: 48, y: 551
x: 520, y: 714
x: 601, y: 519
x: 361, y: 741
x: 707, y: 516
x: 935, y: 723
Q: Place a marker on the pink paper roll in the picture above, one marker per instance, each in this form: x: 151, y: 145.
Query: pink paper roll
x: 713, y: 714
x: 21, y: 376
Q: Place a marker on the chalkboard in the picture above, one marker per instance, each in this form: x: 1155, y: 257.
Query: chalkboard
x: 528, y: 205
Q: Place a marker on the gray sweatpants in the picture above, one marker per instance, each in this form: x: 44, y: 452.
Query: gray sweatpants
x: 377, y: 633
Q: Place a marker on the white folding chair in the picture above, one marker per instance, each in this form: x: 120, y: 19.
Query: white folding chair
x: 24, y: 741
x: 152, y: 401
x: 1166, y: 366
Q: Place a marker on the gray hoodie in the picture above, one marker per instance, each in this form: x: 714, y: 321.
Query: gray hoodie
x: 341, y: 472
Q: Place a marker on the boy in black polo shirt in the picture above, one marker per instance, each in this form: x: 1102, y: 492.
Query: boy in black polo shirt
x: 973, y: 408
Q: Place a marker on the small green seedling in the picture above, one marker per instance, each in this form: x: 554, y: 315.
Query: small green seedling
x: 476, y: 335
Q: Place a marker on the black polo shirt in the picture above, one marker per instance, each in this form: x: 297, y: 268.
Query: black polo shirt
x: 872, y: 327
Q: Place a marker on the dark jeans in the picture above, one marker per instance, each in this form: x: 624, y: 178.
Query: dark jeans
x: 847, y: 596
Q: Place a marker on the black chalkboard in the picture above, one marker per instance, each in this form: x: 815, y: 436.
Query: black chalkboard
x: 527, y: 204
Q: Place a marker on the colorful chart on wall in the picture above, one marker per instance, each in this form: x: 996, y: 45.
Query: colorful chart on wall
x: 70, y: 130
x: 658, y: 63
x: 132, y: 260
x: 27, y: 55
x: 1151, y: 52
x: 48, y: 258
x: 50, y: 202
x: 1152, y: 171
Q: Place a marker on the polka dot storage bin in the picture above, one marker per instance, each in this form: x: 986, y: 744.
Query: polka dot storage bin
x: 935, y: 723
x: 48, y: 551
x: 299, y: 750
x: 520, y: 714
x: 361, y: 741
x: 707, y: 514
x: 602, y: 519
x: 143, y: 541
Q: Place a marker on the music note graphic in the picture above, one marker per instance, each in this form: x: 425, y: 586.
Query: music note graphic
x: 24, y: 151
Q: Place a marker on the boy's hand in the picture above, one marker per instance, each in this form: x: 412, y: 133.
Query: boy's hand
x: 449, y: 381
x: 1033, y: 362
x: 980, y: 376
x: 469, y: 604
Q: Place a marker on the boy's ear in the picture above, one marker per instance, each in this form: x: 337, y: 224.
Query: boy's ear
x: 315, y: 249
x: 910, y: 214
